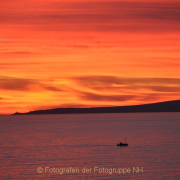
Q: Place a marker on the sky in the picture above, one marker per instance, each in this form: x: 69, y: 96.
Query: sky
x: 88, y: 53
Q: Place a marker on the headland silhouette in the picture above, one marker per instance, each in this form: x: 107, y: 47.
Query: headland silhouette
x: 168, y: 106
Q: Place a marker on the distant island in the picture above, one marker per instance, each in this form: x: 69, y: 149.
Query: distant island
x: 168, y: 106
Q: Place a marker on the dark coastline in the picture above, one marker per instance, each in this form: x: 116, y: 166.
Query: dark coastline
x: 168, y: 106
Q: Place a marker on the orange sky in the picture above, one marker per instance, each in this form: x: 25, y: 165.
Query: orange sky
x: 83, y: 53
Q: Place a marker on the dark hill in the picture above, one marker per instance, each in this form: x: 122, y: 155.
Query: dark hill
x: 168, y: 106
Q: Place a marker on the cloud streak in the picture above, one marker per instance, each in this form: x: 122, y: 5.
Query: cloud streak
x: 23, y: 84
x: 112, y: 88
x: 114, y: 81
x: 99, y: 16
x: 107, y: 98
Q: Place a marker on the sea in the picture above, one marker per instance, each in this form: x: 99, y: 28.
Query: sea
x: 84, y: 146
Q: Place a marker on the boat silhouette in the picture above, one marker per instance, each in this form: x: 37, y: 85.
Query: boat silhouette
x: 123, y: 144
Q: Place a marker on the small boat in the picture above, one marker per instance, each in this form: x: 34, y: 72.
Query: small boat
x: 123, y: 144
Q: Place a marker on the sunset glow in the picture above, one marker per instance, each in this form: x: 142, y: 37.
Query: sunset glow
x: 87, y: 53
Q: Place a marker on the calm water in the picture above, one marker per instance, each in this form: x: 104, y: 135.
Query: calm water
x: 68, y: 143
